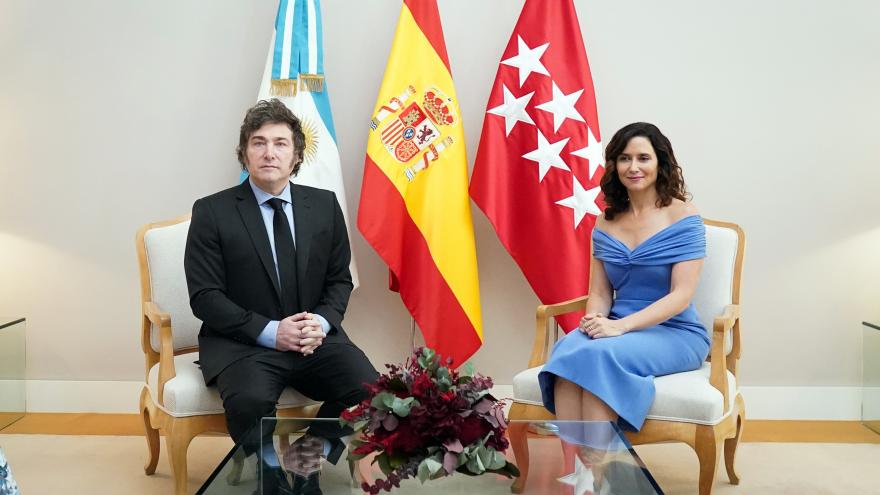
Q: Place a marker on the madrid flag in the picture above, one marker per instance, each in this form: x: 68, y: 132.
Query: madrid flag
x: 294, y: 74
x: 414, y: 207
x: 537, y: 172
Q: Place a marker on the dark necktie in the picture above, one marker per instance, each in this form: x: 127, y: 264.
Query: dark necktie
x: 285, y: 254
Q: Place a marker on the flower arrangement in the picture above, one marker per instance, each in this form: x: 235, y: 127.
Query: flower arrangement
x: 426, y: 420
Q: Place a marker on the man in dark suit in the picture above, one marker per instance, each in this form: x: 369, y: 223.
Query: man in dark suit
x: 267, y: 266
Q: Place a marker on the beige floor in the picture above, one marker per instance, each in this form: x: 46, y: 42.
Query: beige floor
x: 55, y: 464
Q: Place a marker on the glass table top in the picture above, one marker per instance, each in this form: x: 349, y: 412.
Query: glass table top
x: 13, y: 364
x: 871, y: 375
x: 597, y: 459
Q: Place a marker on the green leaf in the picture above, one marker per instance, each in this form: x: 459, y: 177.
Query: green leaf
x: 355, y: 457
x: 496, y: 460
x: 427, y: 359
x: 433, y: 465
x: 467, y: 370
x: 510, y: 469
x: 475, y: 465
x: 396, y: 461
x: 380, y: 401
x: 423, y: 472
x: 485, y: 456
x: 384, y: 465
x: 443, y: 372
x: 444, y: 379
x: 402, y: 407
x: 352, y: 446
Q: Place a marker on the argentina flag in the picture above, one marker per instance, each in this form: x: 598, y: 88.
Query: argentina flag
x: 294, y: 74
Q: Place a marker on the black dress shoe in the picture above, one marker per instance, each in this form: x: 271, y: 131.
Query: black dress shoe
x: 307, y: 485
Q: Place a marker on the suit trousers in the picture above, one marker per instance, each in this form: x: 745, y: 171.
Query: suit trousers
x: 334, y: 374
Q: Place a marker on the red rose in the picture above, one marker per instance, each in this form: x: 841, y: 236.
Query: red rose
x: 472, y: 429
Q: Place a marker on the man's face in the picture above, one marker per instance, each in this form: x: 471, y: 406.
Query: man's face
x: 270, y: 157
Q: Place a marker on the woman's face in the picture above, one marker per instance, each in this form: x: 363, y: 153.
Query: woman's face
x: 637, y: 165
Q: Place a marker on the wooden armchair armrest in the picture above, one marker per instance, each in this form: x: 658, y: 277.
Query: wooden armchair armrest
x: 166, y: 345
x: 728, y: 320
x: 542, y: 345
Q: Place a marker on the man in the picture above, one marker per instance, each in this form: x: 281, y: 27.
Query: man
x: 267, y: 269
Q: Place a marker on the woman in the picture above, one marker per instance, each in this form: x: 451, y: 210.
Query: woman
x: 648, y: 250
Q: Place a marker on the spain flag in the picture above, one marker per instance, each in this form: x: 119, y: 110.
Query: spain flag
x: 414, y: 207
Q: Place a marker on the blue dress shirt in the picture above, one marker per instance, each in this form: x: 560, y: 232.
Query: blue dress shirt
x: 268, y: 336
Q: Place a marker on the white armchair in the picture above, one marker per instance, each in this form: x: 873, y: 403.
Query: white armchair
x: 175, y: 400
x: 702, y: 407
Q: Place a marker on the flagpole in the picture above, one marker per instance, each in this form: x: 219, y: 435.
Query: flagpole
x: 412, y: 333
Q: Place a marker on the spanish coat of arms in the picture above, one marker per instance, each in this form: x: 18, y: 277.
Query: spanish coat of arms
x: 414, y: 136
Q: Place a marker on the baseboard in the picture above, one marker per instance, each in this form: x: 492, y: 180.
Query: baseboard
x: 803, y: 403
x: 12, y: 395
x: 83, y: 396
x: 786, y: 403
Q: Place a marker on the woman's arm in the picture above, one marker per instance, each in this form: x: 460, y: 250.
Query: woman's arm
x: 685, y: 277
x: 600, y: 289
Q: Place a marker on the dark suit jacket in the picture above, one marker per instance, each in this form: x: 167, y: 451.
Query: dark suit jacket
x: 233, y: 285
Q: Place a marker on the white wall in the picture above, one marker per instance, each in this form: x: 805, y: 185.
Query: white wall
x: 114, y: 114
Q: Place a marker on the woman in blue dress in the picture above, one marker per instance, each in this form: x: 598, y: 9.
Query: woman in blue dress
x: 648, y: 250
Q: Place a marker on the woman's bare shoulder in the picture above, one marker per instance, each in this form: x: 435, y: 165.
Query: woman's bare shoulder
x: 679, y: 209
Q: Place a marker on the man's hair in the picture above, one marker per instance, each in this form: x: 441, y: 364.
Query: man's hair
x: 271, y: 112
x: 670, y: 182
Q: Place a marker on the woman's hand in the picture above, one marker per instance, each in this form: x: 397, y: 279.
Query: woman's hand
x: 596, y: 325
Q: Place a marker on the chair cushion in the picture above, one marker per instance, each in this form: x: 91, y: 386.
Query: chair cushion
x: 187, y: 395
x: 684, y: 397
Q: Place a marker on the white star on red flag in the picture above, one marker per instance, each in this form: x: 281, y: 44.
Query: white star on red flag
x: 534, y: 220
x: 592, y: 152
x: 513, y: 110
x: 562, y: 107
x: 581, y: 201
x: 527, y: 60
x: 547, y: 155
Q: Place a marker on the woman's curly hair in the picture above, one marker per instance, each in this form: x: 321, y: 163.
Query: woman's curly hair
x: 670, y: 183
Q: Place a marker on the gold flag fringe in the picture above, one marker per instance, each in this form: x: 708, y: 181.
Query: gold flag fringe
x: 313, y: 83
x: 283, y: 87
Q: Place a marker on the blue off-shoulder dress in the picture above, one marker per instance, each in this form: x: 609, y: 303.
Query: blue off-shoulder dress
x: 621, y: 370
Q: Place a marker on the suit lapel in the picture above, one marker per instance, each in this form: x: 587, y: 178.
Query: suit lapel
x: 253, y: 222
x: 304, y: 225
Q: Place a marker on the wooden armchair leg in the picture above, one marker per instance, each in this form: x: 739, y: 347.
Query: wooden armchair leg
x: 151, y: 434
x: 708, y: 450
x: 177, y: 442
x: 519, y: 441
x: 731, y: 444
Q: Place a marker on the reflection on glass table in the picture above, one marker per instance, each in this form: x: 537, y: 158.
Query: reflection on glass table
x: 591, y: 458
x: 871, y: 375
x: 12, y: 370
